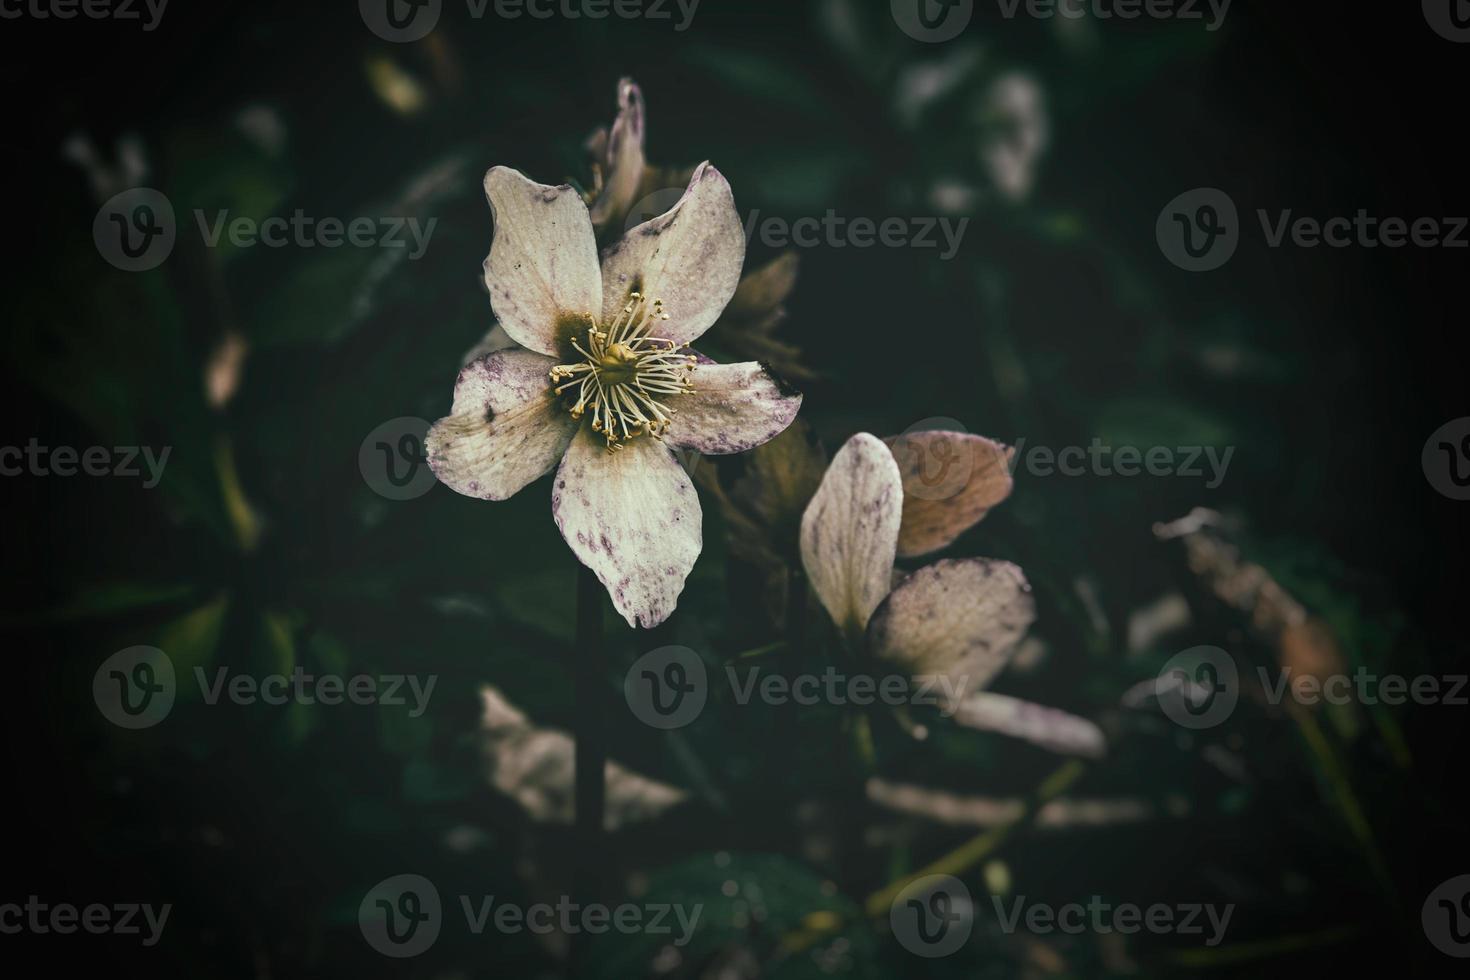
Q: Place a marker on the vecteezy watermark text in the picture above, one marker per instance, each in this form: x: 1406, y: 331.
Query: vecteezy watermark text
x: 934, y: 916
x: 1200, y: 230
x: 303, y: 231
x: 1214, y: 10
x: 67, y: 461
x: 668, y: 688
x: 402, y: 916
x: 1101, y: 916
x: 1101, y: 459
x: 136, y: 688
x: 831, y: 230
x: 63, y: 919
x: 136, y: 230
x: 405, y: 21
x: 149, y: 12
x: 1200, y: 688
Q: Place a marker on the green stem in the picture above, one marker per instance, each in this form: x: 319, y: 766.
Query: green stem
x: 591, y: 750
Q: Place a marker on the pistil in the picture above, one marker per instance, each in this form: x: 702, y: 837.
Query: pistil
x: 626, y: 374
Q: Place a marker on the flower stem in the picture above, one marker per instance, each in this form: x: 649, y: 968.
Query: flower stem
x: 591, y: 751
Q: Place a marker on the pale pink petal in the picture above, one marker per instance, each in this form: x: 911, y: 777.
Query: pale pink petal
x: 850, y: 531
x: 690, y: 257
x: 496, y: 339
x: 1049, y: 728
x: 633, y: 518
x: 950, y: 481
x: 958, y: 618
x: 542, y: 273
x: 734, y: 407
x: 624, y: 161
x: 506, y: 427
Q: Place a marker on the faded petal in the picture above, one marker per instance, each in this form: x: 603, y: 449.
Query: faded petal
x: 505, y: 430
x: 633, y: 518
x: 958, y: 618
x: 496, y: 339
x: 763, y: 291
x: 623, y: 158
x: 690, y: 257
x: 734, y: 407
x: 950, y: 481
x: 542, y: 272
x: 849, y: 532
x: 535, y: 766
x: 1049, y: 728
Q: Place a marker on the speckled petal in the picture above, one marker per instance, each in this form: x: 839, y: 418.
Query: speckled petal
x: 633, y: 518
x: 734, y: 407
x: 961, y: 619
x: 506, y: 427
x: 950, y: 481
x: 690, y: 257
x: 624, y: 162
x: 542, y: 272
x: 849, y: 532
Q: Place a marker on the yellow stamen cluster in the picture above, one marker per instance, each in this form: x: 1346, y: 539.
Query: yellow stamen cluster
x: 626, y: 374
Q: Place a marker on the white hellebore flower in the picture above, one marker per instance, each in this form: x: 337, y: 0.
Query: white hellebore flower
x: 956, y: 618
x: 602, y: 380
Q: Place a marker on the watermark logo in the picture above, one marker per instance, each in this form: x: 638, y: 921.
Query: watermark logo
x: 1102, y: 917
x: 135, y: 688
x: 406, y: 21
x: 1105, y: 10
x: 135, y: 230
x: 1450, y: 19
x: 1446, y: 459
x: 392, y: 459
x: 64, y: 919
x: 1446, y: 917
x: 301, y: 230
x: 667, y: 688
x: 401, y: 21
x: 1199, y: 230
x: 933, y: 916
x: 67, y: 461
x: 401, y: 916
x: 932, y: 21
x: 831, y: 230
x: 943, y: 466
x: 149, y: 12
x: 1199, y: 688
x: 1208, y: 463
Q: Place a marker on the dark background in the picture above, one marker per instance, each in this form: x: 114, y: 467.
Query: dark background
x: 1327, y: 369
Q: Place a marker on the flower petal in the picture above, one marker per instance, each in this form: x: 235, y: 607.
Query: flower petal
x: 542, y: 272
x: 763, y: 291
x: 849, y: 532
x: 1050, y: 728
x: 961, y: 619
x: 690, y: 257
x: 623, y: 160
x: 950, y: 481
x: 506, y: 427
x: 734, y: 407
x: 496, y: 339
x: 633, y: 518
